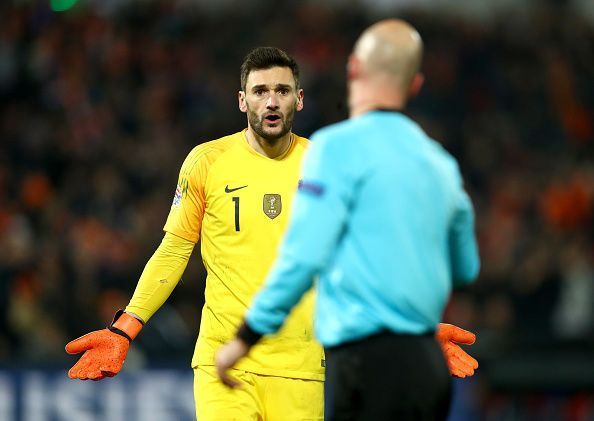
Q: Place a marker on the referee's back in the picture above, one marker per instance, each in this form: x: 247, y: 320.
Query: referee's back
x: 408, y: 233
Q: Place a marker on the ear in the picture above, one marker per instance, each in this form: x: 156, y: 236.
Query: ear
x: 299, y: 100
x: 241, y: 101
x: 353, y: 67
x: 415, y: 85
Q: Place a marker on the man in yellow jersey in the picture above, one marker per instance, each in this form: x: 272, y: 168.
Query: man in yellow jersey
x: 234, y: 194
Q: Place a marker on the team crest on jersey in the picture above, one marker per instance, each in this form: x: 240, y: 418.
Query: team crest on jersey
x: 272, y: 205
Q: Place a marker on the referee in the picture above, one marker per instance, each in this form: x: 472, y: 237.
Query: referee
x: 382, y: 218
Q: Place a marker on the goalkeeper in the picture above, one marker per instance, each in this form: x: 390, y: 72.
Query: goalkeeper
x: 234, y: 194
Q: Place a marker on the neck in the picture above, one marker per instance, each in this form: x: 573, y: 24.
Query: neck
x: 365, y: 96
x: 270, y: 149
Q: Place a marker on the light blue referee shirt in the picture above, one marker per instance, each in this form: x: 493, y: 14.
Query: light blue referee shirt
x: 381, y: 216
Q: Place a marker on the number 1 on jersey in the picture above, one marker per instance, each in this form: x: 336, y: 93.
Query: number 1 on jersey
x: 236, y: 200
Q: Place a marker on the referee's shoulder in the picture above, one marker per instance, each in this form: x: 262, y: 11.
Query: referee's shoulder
x: 443, y: 159
x: 441, y: 151
x: 334, y: 131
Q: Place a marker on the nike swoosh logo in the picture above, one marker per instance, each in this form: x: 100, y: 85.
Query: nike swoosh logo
x: 228, y: 190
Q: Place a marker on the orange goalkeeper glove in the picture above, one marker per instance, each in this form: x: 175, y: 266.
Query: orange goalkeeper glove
x: 105, y: 350
x: 459, y: 362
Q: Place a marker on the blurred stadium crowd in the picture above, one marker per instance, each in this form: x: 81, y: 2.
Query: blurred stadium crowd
x: 98, y: 111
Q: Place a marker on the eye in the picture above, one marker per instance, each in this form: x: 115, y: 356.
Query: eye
x: 260, y: 92
x: 283, y: 91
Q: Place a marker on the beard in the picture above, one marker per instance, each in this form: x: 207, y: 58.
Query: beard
x: 257, y: 124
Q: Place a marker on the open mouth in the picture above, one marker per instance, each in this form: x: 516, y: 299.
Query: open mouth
x: 272, y: 118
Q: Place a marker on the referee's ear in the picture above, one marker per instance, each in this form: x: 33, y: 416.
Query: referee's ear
x: 353, y: 68
x: 415, y: 85
x: 241, y: 101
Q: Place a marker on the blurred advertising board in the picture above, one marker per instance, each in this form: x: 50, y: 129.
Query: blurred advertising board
x: 148, y: 395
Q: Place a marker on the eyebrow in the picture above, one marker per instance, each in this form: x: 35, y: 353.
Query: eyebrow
x: 278, y: 86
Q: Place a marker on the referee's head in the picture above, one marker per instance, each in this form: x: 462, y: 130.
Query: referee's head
x: 384, y: 65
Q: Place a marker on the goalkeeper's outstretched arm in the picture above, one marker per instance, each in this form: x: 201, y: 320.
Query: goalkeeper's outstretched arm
x: 105, y: 350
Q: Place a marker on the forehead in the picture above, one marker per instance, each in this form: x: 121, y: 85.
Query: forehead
x: 270, y: 77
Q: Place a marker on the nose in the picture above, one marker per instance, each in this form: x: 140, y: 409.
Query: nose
x: 272, y: 103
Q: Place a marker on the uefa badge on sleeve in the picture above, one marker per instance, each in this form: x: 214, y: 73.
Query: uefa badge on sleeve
x: 180, y: 190
x: 177, y: 197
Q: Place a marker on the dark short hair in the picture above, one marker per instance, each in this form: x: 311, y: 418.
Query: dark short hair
x: 263, y: 58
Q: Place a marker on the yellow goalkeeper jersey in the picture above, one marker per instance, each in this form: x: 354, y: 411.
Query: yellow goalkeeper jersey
x: 237, y: 202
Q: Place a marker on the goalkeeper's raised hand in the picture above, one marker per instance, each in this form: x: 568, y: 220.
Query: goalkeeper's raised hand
x: 459, y: 362
x: 105, y: 350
